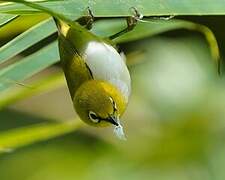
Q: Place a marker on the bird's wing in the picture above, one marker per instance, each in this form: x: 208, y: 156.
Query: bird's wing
x: 75, y: 69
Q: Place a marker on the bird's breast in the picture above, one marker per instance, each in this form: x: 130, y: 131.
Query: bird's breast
x: 106, y: 64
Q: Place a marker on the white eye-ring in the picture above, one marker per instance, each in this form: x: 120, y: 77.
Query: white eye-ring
x: 93, y: 117
x: 111, y: 99
x: 113, y: 103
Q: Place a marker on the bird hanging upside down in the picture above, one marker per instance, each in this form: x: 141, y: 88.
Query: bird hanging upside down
x: 97, y: 76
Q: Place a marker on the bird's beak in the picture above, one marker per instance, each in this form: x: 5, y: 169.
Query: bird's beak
x: 113, y: 120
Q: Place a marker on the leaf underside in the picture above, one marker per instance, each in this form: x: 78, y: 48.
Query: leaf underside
x: 101, y: 8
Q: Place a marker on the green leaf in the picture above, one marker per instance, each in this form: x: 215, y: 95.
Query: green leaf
x: 8, y: 7
x: 19, y: 137
x: 47, y: 84
x: 101, y: 8
x: 6, y: 18
x: 27, y: 39
x: 29, y: 66
x: 142, y: 30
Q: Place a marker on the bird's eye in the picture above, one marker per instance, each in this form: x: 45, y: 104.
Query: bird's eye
x: 94, y: 118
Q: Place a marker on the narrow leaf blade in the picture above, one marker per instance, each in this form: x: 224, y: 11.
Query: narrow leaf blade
x: 27, y: 39
x: 15, y: 138
x: 29, y: 66
x: 101, y: 8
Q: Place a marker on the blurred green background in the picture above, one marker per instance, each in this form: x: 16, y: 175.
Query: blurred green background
x: 175, y: 121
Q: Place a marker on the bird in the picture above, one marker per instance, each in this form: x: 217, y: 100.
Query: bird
x: 96, y: 73
x: 97, y: 76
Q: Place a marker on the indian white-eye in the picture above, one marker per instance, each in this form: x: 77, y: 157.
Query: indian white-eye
x: 97, y: 76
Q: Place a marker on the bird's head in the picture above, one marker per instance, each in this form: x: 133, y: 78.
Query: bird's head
x: 99, y: 103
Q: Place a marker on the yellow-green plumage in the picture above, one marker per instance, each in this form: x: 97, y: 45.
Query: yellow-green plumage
x: 92, y: 92
x: 74, y: 67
